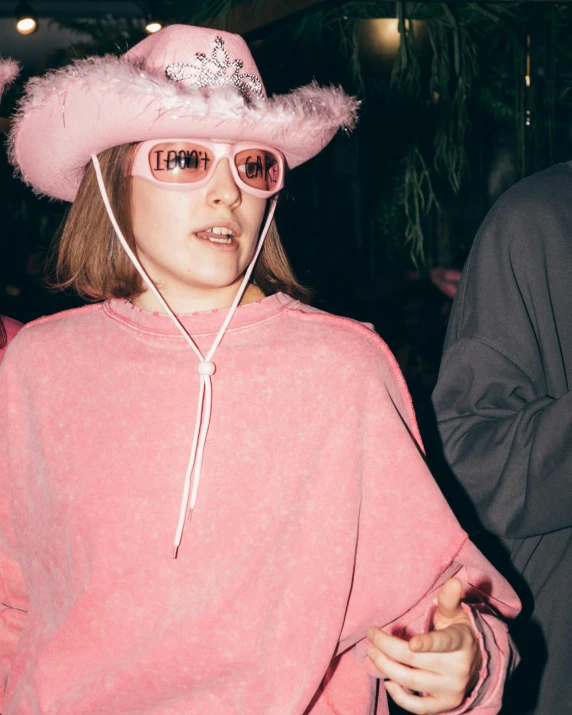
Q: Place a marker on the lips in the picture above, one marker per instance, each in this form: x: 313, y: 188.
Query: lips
x: 215, y: 236
x: 219, y: 231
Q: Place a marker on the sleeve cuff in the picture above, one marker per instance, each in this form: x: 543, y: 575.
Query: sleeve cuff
x: 482, y: 685
x: 496, y: 654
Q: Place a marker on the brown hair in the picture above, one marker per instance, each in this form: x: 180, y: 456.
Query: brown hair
x: 90, y: 259
x: 3, y: 336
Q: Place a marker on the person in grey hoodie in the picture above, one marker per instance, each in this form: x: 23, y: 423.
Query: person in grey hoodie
x: 503, y: 403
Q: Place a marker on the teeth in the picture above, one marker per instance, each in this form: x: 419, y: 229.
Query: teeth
x: 221, y: 230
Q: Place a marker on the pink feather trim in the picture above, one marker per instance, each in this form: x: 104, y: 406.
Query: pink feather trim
x: 319, y: 108
x: 311, y: 110
x: 9, y: 70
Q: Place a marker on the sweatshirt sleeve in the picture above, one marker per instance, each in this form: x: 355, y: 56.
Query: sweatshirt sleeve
x: 508, y: 446
x: 409, y: 543
x: 13, y: 597
x: 502, y: 399
x: 499, y: 655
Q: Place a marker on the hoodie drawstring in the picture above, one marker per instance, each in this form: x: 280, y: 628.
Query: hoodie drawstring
x: 205, y: 366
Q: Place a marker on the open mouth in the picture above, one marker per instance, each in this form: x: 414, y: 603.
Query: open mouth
x: 217, y: 234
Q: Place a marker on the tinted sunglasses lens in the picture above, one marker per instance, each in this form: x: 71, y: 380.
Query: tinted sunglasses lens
x: 259, y: 168
x: 180, y: 162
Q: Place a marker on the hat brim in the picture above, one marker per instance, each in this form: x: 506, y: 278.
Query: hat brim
x: 95, y: 104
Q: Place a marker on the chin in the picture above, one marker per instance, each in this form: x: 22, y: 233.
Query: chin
x: 214, y: 284
x: 215, y: 279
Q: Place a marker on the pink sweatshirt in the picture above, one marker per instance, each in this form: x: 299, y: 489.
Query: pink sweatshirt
x: 316, y: 518
x: 12, y: 327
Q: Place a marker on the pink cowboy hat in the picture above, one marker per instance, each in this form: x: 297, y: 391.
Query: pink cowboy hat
x: 181, y: 81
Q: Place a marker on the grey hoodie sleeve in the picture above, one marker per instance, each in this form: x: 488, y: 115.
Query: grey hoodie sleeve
x: 503, y: 399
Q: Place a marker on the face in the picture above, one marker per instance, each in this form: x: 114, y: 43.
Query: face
x: 182, y: 236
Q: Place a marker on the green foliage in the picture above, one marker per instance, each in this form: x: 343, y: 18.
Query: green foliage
x: 477, y: 66
x: 419, y: 200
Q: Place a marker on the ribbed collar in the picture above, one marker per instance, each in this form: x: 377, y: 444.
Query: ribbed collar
x: 201, y: 323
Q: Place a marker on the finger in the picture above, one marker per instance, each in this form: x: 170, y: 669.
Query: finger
x: 426, y: 705
x: 412, y: 678
x: 418, y: 657
x: 447, y: 640
x: 449, y: 599
x: 399, y: 651
x: 444, y: 663
x: 396, y: 648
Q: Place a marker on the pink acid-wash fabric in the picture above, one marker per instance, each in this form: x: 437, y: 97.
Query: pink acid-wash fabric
x: 12, y: 327
x: 316, y: 518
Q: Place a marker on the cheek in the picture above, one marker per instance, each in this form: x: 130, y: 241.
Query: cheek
x: 253, y: 210
x: 147, y: 210
x: 157, y: 212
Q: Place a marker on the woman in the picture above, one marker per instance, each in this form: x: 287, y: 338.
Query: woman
x: 306, y: 516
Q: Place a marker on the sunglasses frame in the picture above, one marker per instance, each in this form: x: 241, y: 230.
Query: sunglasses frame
x: 141, y: 168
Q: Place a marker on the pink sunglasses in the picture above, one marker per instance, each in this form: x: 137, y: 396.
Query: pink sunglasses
x: 182, y: 164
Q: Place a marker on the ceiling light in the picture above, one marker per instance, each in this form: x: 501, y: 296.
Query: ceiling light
x: 26, y: 19
x: 152, y: 23
x: 153, y: 26
x: 380, y: 40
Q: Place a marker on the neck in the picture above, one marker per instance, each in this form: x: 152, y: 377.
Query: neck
x: 202, y: 301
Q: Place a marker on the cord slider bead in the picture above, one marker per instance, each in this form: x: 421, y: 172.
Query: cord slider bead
x: 206, y: 367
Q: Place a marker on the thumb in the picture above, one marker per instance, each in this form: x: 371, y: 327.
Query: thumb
x: 449, y: 603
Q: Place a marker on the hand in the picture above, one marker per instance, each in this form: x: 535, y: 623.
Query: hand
x: 446, y: 279
x: 443, y: 664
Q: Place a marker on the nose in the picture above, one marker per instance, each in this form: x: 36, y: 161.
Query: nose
x: 222, y: 188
